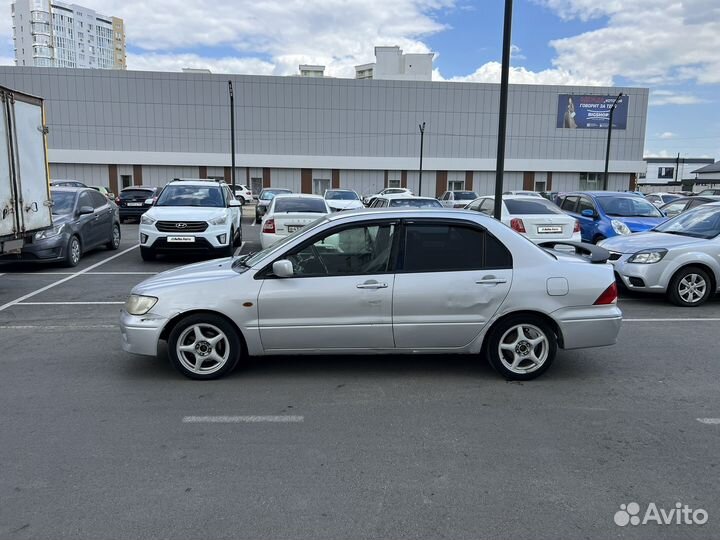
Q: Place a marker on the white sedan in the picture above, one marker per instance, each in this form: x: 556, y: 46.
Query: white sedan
x: 289, y: 213
x: 534, y: 217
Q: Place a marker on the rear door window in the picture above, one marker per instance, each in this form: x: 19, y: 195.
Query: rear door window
x: 569, y: 204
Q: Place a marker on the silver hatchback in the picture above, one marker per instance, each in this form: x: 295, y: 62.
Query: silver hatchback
x: 388, y: 282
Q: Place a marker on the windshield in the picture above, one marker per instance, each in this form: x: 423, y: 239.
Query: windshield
x: 298, y: 204
x: 465, y: 195
x: 341, y: 196
x: 539, y: 206
x: 206, y: 196
x: 269, y: 194
x: 703, y: 222
x: 628, y: 207
x: 63, y: 202
x: 257, y: 257
x: 415, y: 203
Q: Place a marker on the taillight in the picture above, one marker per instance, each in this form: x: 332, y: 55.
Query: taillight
x: 517, y: 225
x: 576, y: 228
x: 269, y: 226
x: 609, y: 296
x: 117, y: 200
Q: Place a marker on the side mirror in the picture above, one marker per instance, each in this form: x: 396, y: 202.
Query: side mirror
x: 234, y: 204
x: 150, y: 201
x: 85, y: 210
x: 588, y: 213
x: 282, y: 268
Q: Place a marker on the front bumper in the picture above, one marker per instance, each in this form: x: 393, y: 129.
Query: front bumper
x: 49, y: 250
x: 591, y: 326
x: 641, y: 277
x: 141, y: 334
x: 208, y: 240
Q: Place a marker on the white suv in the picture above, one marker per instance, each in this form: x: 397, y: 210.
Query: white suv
x: 243, y: 194
x: 192, y: 216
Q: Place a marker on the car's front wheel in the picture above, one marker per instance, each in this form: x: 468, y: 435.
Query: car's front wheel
x: 690, y: 287
x: 522, y: 347
x: 73, y: 252
x: 114, y: 242
x: 204, y: 346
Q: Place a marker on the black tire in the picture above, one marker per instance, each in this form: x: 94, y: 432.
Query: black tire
x: 73, y: 252
x: 258, y: 219
x: 229, y: 348
x: 237, y: 238
x: 526, y: 368
x: 114, y: 242
x: 147, y: 254
x: 692, y: 280
x: 242, y: 201
x: 598, y: 238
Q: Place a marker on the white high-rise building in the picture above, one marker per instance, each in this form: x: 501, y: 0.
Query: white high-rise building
x: 55, y: 34
x: 392, y: 64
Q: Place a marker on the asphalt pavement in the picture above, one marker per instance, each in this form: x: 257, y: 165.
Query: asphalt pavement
x: 99, y: 444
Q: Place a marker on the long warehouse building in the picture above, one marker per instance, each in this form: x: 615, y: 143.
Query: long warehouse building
x: 124, y: 128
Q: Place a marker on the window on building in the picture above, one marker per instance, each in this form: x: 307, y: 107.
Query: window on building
x: 540, y: 185
x: 125, y: 180
x: 456, y: 185
x: 393, y: 183
x: 666, y: 172
x: 590, y: 181
x: 320, y: 185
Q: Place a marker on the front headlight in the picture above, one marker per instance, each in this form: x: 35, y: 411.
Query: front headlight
x: 220, y: 220
x: 49, y: 233
x: 147, y: 220
x: 620, y: 228
x: 650, y: 256
x: 139, y: 305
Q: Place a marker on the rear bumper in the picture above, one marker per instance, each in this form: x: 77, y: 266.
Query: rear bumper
x: 132, y: 211
x: 140, y: 335
x: 592, y: 326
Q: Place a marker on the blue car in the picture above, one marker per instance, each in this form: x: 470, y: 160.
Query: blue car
x: 604, y: 214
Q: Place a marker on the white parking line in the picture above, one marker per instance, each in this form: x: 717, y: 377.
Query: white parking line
x: 713, y: 421
x: 61, y: 281
x: 85, y: 274
x: 58, y: 327
x: 68, y: 303
x: 676, y: 319
x: 240, y: 419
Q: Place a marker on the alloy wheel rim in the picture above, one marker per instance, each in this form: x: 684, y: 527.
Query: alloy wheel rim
x: 692, y: 288
x: 116, y: 236
x: 75, y: 251
x: 523, y: 348
x: 203, y: 348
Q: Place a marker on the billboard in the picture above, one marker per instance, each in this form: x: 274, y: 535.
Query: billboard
x: 591, y: 112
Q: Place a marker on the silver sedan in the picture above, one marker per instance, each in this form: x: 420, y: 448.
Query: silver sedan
x: 680, y: 257
x: 398, y: 281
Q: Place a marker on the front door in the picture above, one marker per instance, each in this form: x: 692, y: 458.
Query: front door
x: 339, y: 297
x: 452, y: 280
x: 103, y: 217
x: 89, y: 232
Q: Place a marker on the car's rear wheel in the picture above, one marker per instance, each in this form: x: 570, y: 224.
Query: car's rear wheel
x: 522, y: 347
x: 114, y: 242
x: 204, y: 346
x: 147, y: 254
x: 598, y: 238
x: 73, y: 252
x: 690, y: 287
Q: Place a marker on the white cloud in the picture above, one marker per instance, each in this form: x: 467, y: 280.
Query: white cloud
x: 645, y: 41
x: 668, y: 97
x: 666, y: 135
x: 490, y: 73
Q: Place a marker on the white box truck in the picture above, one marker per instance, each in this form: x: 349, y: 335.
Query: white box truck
x: 25, y: 204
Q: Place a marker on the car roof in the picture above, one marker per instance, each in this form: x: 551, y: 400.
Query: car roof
x: 299, y: 196
x: 193, y: 182
x: 139, y: 187
x: 602, y: 193
x: 391, y: 197
x: 69, y: 189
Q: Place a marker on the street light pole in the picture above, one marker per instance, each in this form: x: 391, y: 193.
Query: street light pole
x: 504, y: 85
x: 232, y: 136
x: 422, y: 142
x: 607, y: 150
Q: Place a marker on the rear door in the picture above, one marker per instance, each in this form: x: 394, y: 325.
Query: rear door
x: 588, y: 225
x: 89, y: 233
x: 8, y: 218
x: 452, y: 278
x: 103, y: 217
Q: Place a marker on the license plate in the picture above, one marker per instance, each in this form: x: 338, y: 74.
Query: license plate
x: 181, y: 239
x: 293, y: 228
x: 549, y: 229
x: 134, y: 204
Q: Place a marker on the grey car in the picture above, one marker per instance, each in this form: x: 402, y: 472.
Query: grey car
x: 680, y: 258
x: 264, y: 199
x: 83, y: 219
x: 369, y: 281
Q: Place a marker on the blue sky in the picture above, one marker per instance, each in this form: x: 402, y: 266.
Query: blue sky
x: 669, y: 46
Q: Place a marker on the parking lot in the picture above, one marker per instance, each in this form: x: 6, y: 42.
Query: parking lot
x: 96, y: 443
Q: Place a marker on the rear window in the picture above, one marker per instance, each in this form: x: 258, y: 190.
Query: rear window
x: 415, y: 203
x: 269, y: 194
x: 147, y: 193
x: 518, y: 206
x: 465, y: 195
x: 291, y: 204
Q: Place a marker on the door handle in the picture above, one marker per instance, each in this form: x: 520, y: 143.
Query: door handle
x: 491, y: 280
x: 372, y: 285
